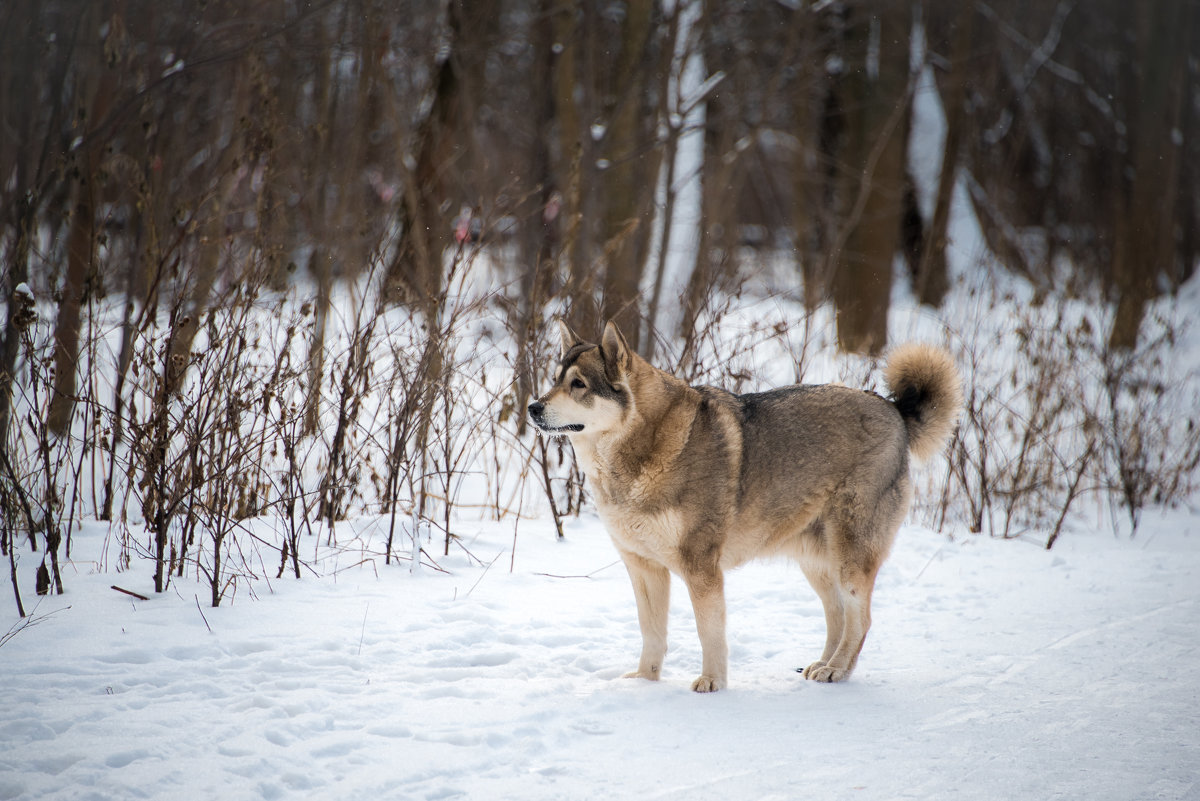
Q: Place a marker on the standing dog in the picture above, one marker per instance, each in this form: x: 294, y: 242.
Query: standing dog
x: 696, y: 480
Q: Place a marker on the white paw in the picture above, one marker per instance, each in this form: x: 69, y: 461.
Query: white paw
x: 819, y: 671
x: 707, y: 684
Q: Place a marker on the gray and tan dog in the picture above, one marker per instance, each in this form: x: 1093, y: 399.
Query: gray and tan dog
x: 695, y: 481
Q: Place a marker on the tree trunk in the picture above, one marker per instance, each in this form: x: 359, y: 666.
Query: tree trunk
x: 875, y: 106
x: 628, y: 182
x: 321, y: 271
x: 80, y: 256
x: 678, y: 211
x: 574, y: 108
x: 11, y: 345
x: 605, y: 79
x: 673, y: 118
x: 722, y: 179
x: 931, y: 281
x: 1145, y: 225
x: 538, y: 236
x: 440, y: 144
x: 817, y: 125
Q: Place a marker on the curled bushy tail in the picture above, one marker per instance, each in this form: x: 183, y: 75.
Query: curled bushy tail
x: 927, y: 392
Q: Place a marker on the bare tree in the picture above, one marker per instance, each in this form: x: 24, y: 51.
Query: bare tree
x: 1146, y: 197
x: 875, y: 90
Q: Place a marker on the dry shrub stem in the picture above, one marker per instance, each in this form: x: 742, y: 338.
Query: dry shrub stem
x: 423, y: 421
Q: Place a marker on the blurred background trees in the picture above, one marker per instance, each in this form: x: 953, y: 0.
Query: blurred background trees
x: 155, y: 147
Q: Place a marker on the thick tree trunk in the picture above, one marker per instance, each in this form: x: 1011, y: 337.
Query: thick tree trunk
x: 575, y: 109
x: 876, y: 104
x: 817, y: 124
x: 1145, y: 224
x: 441, y: 144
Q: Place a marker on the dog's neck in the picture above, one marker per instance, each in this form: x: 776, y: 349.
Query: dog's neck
x: 662, y: 410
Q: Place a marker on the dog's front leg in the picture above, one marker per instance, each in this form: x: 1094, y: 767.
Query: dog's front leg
x: 652, y: 589
x: 708, y: 603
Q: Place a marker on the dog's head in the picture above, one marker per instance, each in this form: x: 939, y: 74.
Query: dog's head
x: 591, y: 392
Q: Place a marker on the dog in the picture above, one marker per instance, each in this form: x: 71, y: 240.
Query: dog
x: 694, y: 480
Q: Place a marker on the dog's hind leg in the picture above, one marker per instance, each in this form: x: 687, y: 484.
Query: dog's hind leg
x: 652, y: 590
x: 853, y: 589
x: 826, y: 590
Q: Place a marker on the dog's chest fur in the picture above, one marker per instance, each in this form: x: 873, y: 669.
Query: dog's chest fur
x: 668, y: 484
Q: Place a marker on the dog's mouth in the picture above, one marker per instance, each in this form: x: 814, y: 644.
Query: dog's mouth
x: 574, y: 428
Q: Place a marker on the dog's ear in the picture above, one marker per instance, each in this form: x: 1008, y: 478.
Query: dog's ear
x: 618, y: 359
x: 567, y: 338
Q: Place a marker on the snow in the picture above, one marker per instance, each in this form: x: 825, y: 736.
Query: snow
x: 994, y: 670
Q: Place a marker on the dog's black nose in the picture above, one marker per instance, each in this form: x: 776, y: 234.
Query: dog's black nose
x: 536, y: 408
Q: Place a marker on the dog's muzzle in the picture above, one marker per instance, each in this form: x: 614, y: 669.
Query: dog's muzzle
x: 537, y: 413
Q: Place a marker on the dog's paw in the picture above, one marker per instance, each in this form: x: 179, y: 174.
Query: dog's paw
x: 639, y: 674
x: 707, y: 684
x: 819, y: 671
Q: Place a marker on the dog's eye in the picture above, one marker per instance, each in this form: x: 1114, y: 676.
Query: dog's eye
x: 577, y: 384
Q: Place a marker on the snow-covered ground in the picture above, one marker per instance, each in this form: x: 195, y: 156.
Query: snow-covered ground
x: 994, y: 670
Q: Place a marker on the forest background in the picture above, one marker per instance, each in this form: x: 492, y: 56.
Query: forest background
x: 293, y: 262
